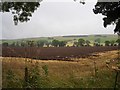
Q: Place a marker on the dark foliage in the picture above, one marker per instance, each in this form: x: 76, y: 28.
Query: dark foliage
x: 107, y: 43
x: 111, y: 11
x: 22, y: 11
x: 57, y: 43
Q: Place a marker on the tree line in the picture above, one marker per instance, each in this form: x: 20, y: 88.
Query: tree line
x: 58, y: 43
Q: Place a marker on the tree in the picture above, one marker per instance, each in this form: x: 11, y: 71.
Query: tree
x: 48, y: 43
x: 62, y: 43
x: 97, y: 42
x: 22, y: 11
x: 81, y: 1
x: 41, y: 43
x: 5, y: 44
x: 87, y: 42
x: 13, y: 44
x: 55, y: 43
x: 107, y: 43
x: 81, y: 42
x: 112, y: 42
x: 75, y: 44
x: 111, y: 11
x: 23, y: 44
x: 17, y: 44
x: 30, y: 43
x: 118, y: 41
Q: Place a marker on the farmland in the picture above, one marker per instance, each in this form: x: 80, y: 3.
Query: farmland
x: 53, y: 53
x: 63, y: 74
x: 59, y: 66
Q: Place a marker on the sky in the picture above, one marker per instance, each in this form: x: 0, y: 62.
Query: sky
x: 56, y: 18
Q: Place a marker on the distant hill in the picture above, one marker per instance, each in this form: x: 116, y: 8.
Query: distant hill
x: 77, y: 36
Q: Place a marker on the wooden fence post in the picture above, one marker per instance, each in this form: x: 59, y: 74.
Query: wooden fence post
x: 26, y: 77
x: 117, y: 82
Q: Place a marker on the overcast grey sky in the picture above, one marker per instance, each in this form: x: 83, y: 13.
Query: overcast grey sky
x: 56, y: 19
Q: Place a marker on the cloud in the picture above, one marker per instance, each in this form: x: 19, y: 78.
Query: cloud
x: 54, y: 19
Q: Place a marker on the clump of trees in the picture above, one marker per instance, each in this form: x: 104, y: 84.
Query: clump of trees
x: 5, y: 44
x: 82, y: 42
x: 42, y: 43
x: 112, y: 43
x: 107, y: 43
x: 28, y: 43
x: 57, y: 43
x: 97, y: 42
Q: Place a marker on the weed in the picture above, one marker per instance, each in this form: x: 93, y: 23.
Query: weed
x: 12, y: 81
x: 45, y: 68
x: 33, y: 77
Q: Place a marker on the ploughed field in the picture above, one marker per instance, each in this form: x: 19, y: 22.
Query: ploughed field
x: 54, y: 53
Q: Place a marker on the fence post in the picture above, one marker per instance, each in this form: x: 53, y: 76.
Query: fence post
x: 116, y: 80
x: 117, y: 70
x: 26, y: 77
